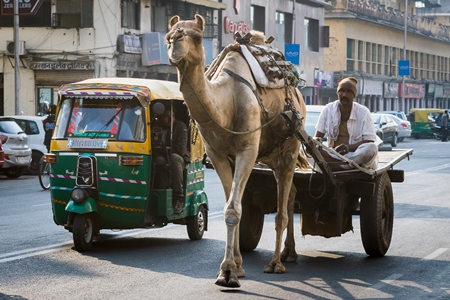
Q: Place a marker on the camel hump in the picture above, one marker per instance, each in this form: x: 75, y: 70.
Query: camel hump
x: 268, y: 64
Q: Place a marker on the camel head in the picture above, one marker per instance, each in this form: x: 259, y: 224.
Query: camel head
x: 184, y: 40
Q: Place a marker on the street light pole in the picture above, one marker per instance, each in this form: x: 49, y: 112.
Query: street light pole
x: 404, y: 55
x: 16, y: 57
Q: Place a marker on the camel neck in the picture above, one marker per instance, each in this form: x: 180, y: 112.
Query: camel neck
x: 195, y: 90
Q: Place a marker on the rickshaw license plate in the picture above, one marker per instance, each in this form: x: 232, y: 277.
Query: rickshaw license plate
x: 87, y: 143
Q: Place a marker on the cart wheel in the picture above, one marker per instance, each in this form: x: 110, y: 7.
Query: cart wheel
x: 83, y: 232
x: 196, y: 224
x: 377, y: 218
x: 251, y: 226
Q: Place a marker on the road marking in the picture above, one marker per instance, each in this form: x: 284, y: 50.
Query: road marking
x: 435, y: 254
x: 385, y: 281
x: 46, y: 204
x: 21, y: 254
x: 427, y: 170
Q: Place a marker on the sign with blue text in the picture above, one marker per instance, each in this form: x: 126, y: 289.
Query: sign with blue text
x: 292, y: 53
x: 403, y: 68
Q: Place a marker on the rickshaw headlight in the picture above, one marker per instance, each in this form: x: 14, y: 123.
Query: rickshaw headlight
x: 79, y: 195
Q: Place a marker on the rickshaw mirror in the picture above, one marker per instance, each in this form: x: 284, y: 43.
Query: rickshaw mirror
x: 158, y: 108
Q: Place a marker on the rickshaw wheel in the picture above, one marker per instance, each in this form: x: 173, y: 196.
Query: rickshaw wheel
x: 196, y: 224
x: 251, y: 225
x: 377, y: 218
x: 83, y: 232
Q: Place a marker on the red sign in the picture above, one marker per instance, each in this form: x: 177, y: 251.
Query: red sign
x: 26, y: 7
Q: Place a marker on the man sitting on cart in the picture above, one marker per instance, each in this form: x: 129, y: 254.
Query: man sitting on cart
x: 349, y: 127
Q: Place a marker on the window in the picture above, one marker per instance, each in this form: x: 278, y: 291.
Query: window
x: 42, y: 18
x: 258, y: 18
x: 131, y: 14
x: 73, y: 14
x: 187, y: 11
x: 312, y: 34
x: 279, y: 30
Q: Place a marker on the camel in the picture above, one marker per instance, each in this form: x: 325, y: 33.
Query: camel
x: 240, y: 123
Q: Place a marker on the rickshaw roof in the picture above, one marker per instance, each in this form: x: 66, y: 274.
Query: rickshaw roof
x: 149, y: 89
x: 426, y: 110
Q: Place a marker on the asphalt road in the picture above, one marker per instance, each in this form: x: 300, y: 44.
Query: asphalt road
x: 37, y: 260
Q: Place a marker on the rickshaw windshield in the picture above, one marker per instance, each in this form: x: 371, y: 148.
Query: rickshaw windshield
x: 112, y: 119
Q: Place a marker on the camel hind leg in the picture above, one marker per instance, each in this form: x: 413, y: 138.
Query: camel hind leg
x: 289, y: 254
x: 284, y: 173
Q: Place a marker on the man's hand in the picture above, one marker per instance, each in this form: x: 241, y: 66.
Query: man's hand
x: 342, y: 149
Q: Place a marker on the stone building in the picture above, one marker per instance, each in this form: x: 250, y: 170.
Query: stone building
x: 367, y: 41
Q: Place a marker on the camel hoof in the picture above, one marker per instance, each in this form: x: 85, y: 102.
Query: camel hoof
x: 228, y: 279
x: 240, y: 272
x: 289, y: 255
x: 277, y: 268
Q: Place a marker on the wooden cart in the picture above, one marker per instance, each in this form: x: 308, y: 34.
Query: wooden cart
x: 327, y: 201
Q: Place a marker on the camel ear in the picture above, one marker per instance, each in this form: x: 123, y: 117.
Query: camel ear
x: 200, y: 22
x: 173, y: 21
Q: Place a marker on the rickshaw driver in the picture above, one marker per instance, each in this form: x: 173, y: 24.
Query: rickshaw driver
x: 350, y: 128
x: 179, y: 156
x: 101, y: 123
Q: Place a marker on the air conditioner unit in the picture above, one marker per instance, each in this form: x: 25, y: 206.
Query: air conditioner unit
x: 10, y: 48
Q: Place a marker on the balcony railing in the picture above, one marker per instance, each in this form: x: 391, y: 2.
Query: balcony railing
x: 377, y: 12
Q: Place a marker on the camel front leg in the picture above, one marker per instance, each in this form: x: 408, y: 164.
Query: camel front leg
x: 231, y: 266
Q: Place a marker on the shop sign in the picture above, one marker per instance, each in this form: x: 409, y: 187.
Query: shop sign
x: 430, y: 90
x: 26, y: 7
x: 154, y: 49
x: 231, y: 27
x: 446, y: 93
x: 412, y: 90
x: 62, y: 65
x: 370, y: 87
x: 323, y: 79
x: 128, y: 62
x: 390, y: 90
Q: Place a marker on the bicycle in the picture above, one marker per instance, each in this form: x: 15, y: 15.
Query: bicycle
x: 44, y: 174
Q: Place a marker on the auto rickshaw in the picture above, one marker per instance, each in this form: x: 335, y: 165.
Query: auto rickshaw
x: 423, y: 121
x: 104, y: 177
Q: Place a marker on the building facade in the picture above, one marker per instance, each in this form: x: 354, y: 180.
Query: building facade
x: 367, y: 41
x: 72, y: 40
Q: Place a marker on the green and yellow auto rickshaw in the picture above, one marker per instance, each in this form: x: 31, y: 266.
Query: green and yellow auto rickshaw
x: 423, y: 121
x: 104, y: 177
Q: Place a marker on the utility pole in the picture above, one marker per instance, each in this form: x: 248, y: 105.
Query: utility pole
x: 293, y: 21
x: 16, y: 57
x: 404, y: 55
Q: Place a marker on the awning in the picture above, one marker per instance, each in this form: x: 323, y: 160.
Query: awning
x: 208, y: 3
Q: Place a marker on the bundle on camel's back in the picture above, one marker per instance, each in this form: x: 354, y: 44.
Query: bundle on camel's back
x: 241, y: 123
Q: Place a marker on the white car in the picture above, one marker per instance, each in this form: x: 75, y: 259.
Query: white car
x: 15, y: 146
x: 33, y: 126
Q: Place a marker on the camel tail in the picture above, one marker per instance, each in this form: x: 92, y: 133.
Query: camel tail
x: 302, y: 163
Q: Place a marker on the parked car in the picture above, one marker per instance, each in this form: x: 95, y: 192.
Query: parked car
x: 404, y: 127
x: 3, y: 138
x: 33, y: 126
x: 386, y: 128
x: 312, y: 116
x: 397, y: 113
x: 15, y: 146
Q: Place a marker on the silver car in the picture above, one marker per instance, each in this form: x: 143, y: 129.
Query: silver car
x: 15, y: 146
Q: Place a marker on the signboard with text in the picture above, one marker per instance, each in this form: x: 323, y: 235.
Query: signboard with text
x: 403, y: 68
x: 26, y: 7
x: 292, y: 53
